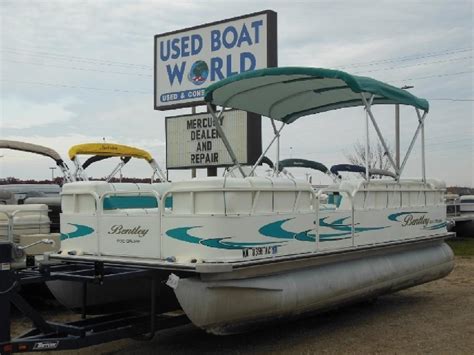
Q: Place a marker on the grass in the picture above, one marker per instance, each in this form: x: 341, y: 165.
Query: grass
x: 462, y: 246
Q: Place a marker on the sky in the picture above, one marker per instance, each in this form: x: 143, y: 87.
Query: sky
x: 82, y: 71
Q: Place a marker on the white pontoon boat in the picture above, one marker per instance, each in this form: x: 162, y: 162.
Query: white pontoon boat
x: 460, y: 213
x: 28, y: 212
x: 243, y: 250
x: 117, y: 198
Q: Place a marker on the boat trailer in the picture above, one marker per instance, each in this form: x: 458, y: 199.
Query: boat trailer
x: 140, y: 324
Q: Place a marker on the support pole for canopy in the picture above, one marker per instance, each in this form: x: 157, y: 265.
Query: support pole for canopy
x: 67, y: 175
x: 367, y: 176
x: 157, y: 170
x: 367, y: 141
x: 423, y: 162
x: 397, y: 135
x: 367, y: 147
x: 117, y: 168
x: 79, y: 173
x: 423, y: 152
x: 277, y: 135
x: 217, y: 124
x: 421, y: 119
x: 379, y: 133
x: 266, y: 150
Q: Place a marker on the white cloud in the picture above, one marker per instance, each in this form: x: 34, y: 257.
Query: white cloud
x: 18, y: 113
x: 315, y: 33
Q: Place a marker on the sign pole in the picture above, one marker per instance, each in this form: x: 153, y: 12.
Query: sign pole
x: 212, y: 170
x: 193, y: 170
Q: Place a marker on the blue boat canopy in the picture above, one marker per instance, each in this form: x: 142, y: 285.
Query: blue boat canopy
x: 335, y: 169
x: 287, y: 93
x: 302, y: 163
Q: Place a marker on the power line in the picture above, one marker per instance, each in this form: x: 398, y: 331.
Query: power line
x: 462, y: 142
x: 143, y: 66
x: 68, y: 86
x: 75, y: 58
x: 108, y: 63
x: 416, y: 65
x: 449, y: 99
x: 76, y: 68
x: 407, y: 58
x: 435, y: 76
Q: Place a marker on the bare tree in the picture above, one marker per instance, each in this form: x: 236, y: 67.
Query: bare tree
x: 378, y: 157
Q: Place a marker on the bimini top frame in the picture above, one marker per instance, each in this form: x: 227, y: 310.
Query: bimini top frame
x: 286, y: 94
x: 38, y: 149
x: 335, y: 169
x: 102, y: 151
x: 302, y: 163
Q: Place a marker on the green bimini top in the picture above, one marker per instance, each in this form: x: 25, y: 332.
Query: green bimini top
x: 287, y: 93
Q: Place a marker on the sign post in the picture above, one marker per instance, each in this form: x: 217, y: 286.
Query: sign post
x: 188, y: 61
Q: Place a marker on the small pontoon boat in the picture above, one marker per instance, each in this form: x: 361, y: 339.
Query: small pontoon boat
x: 238, y: 251
x: 460, y: 213
x: 122, y: 201
x: 29, y: 212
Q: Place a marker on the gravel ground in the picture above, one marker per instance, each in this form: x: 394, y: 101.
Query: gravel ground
x: 436, y: 318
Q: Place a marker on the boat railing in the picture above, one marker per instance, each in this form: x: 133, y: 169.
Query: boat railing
x: 453, y: 208
x: 74, y: 195
x: 350, y: 195
x: 256, y: 191
x: 11, y: 221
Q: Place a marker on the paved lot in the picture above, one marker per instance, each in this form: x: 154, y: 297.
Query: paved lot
x: 436, y: 318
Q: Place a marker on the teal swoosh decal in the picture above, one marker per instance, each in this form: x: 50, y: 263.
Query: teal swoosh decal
x: 323, y: 237
x: 338, y: 221
x: 224, y: 243
x: 337, y: 225
x: 275, y: 230
x: 81, y: 231
x: 218, y: 243
x: 394, y: 216
x: 436, y: 226
x: 183, y: 235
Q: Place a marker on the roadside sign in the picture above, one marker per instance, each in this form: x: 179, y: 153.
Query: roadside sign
x: 192, y: 141
x: 189, y: 60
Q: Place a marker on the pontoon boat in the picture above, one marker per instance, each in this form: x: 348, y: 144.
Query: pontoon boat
x: 29, y: 212
x: 127, y: 201
x: 243, y: 250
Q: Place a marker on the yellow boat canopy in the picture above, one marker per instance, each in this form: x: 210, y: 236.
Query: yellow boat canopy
x: 108, y: 149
